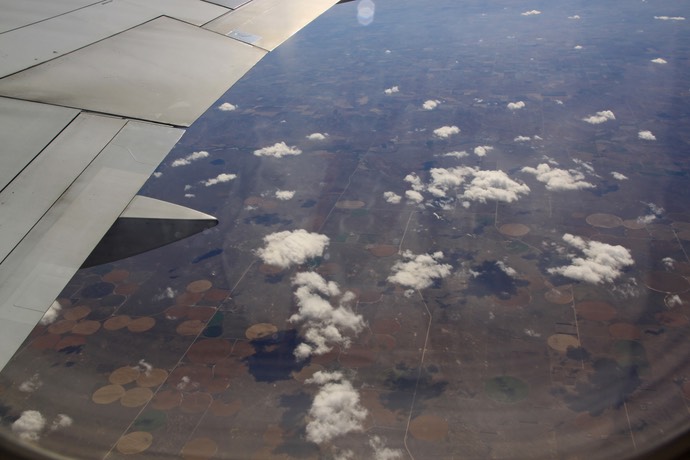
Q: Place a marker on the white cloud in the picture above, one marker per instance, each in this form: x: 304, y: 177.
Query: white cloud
x: 51, y: 314
x: 29, y: 425
x: 144, y: 367
x: 585, y: 165
x: 506, y: 269
x: 189, y: 195
x: 431, y: 104
x: 646, y: 135
x: 659, y: 61
x: 600, y: 117
x: 531, y: 13
x: 619, y: 176
x: 189, y: 158
x: 493, y: 185
x: 336, y: 409
x: 157, y: 174
x: 516, y: 105
x: 392, y: 90
x: 227, y: 107
x: 443, y: 180
x: 669, y: 263
x: 292, y: 247
x: 381, y: 452
x: 532, y: 333
x: 31, y: 385
x: 445, y: 132
x: 277, y: 150
x: 317, y: 136
x: 456, y: 154
x: 482, y: 150
x: 414, y: 196
x: 285, y: 195
x: 673, y: 301
x: 522, y: 139
x: 670, y: 18
x: 61, y: 421
x: 219, y: 179
x: 419, y: 271
x: 392, y: 197
x: 578, y: 47
x: 414, y: 180
x: 558, y: 179
x: 577, y: 16
x: 323, y: 324
x: 601, y: 262
x: 479, y: 185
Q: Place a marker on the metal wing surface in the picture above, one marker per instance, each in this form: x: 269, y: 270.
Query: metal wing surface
x: 93, y: 95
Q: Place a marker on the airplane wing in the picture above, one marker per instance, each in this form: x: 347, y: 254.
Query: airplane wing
x: 93, y: 95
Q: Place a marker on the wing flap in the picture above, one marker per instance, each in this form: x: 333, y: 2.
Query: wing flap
x: 25, y: 129
x: 27, y: 198
x: 37, y: 269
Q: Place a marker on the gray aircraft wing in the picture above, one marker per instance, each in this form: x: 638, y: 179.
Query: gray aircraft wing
x: 93, y: 95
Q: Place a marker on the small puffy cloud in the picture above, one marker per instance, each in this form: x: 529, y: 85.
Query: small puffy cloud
x: 392, y: 197
x: 392, y: 90
x: 445, y: 132
x: 431, y: 104
x: 578, y: 47
x: 219, y: 179
x: 277, y: 150
x: 381, y: 452
x: 414, y: 196
x: 419, y: 271
x: 482, y: 150
x: 646, y: 135
x: 61, y: 421
x: 557, y: 179
x: 285, y: 195
x: 659, y: 61
x: 51, y: 314
x: 522, y: 139
x: 31, y: 385
x: 673, y: 301
x: 157, y: 174
x: 600, y: 117
x: 506, y: 269
x: 323, y: 325
x: 669, y: 263
x: 189, y: 158
x: 317, y: 136
x: 336, y: 409
x: 29, y: 425
x: 283, y: 249
x: 655, y: 211
x: 601, y: 262
x: 516, y: 105
x: 456, y: 154
x: 493, y: 185
x: 227, y: 107
x: 189, y: 195
x: 619, y: 176
x: 469, y: 183
x: 576, y: 16
x: 414, y: 181
x: 531, y: 13
x: 670, y: 18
